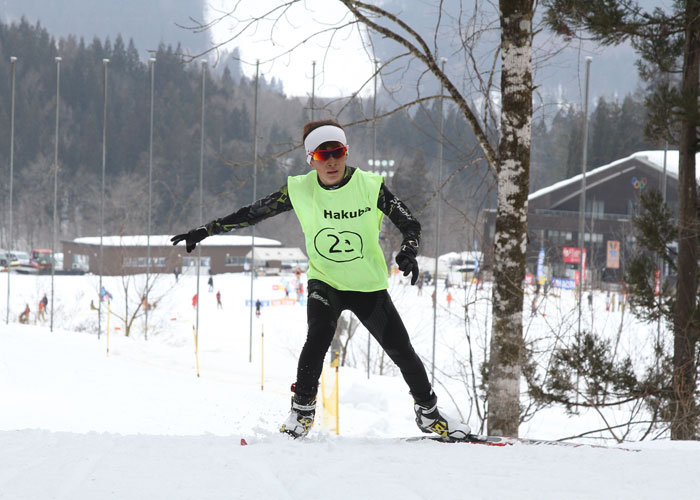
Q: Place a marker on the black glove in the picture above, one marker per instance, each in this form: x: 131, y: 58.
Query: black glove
x: 406, y: 259
x: 191, y: 238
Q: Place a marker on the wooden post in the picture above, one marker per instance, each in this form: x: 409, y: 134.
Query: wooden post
x: 262, y: 357
x: 196, y: 349
x: 109, y: 313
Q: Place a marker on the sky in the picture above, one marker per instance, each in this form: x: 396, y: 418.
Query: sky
x: 342, y: 62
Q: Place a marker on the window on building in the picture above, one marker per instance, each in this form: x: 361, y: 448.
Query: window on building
x: 555, y: 236
x: 81, y: 262
x: 142, y: 261
x: 192, y: 262
x: 596, y: 238
x: 595, y: 208
x: 235, y: 260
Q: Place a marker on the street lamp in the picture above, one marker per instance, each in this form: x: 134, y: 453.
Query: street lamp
x: 152, y: 62
x: 105, y: 62
x: 12, y: 160
x: 582, y: 197
x: 55, y: 189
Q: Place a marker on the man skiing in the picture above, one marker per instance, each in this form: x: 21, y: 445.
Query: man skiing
x: 340, y: 209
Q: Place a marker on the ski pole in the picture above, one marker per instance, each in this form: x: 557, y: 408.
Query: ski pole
x: 337, y: 400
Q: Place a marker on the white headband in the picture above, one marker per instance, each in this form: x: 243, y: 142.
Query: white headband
x: 325, y: 133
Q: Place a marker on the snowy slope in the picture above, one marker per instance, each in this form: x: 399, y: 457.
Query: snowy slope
x: 76, y: 423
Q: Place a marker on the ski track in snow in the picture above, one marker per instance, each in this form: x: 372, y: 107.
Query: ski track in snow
x: 138, y: 424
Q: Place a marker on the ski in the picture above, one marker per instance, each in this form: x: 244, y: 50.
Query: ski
x: 491, y: 441
x: 510, y: 441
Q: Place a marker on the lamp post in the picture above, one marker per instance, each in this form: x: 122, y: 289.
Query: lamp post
x: 105, y: 62
x: 437, y: 226
x: 582, y: 196
x: 55, y: 190
x: 374, y: 155
x: 152, y: 62
x: 313, y: 88
x: 12, y: 162
x: 255, y: 189
x: 201, y: 198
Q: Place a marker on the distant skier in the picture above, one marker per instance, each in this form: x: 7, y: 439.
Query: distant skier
x: 194, y: 301
x: 340, y: 209
x: 218, y: 300
x: 211, y: 284
x: 24, y: 316
x: 104, y: 294
x: 257, y: 307
x: 42, y: 307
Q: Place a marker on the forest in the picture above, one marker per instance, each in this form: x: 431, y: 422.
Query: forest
x: 409, y: 136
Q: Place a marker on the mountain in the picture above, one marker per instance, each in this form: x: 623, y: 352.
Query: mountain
x: 147, y: 23
x: 559, y: 69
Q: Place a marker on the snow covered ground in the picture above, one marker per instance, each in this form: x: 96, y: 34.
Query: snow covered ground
x: 76, y: 423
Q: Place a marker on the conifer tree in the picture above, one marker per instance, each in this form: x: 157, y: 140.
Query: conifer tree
x: 669, y: 45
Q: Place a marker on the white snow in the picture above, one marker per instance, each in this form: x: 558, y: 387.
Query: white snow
x: 76, y: 423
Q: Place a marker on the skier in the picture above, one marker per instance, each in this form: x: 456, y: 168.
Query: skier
x: 211, y: 284
x: 340, y: 209
x: 104, y: 294
x: 42, y: 308
x: 219, y: 305
x: 24, y: 316
x: 194, y: 301
x: 257, y: 307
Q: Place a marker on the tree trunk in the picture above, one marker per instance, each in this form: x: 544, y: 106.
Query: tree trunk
x: 683, y: 408
x: 511, y: 219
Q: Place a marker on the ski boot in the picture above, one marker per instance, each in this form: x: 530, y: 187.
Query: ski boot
x: 429, y: 419
x: 300, y: 419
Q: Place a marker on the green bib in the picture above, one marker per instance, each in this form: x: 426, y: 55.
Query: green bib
x: 341, y: 227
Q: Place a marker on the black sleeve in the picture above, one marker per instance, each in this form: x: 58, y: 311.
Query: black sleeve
x: 400, y: 215
x: 264, y: 208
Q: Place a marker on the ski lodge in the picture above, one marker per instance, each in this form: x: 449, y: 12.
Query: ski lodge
x: 224, y: 253
x: 613, y: 193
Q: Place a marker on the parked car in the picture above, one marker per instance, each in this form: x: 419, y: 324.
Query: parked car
x: 7, y: 260
x: 22, y: 257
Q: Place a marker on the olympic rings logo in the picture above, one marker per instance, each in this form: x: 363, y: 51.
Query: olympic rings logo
x: 639, y: 183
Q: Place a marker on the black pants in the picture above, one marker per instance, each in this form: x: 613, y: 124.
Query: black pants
x: 377, y: 313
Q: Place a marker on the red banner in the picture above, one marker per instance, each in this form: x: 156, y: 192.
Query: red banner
x: 657, y: 282
x: 571, y: 255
